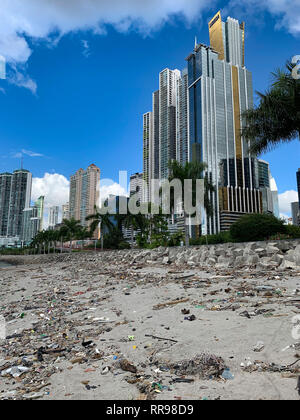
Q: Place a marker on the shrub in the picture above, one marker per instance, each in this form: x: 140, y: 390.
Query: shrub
x: 293, y: 231
x: 219, y: 238
x: 256, y: 227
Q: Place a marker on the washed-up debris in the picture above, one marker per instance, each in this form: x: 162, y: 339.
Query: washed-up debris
x: 227, y: 375
x: 183, y: 380
x: 270, y: 367
x: 161, y: 338
x: 190, y: 318
x: 127, y: 366
x: 185, y: 311
x: 259, y: 346
x: 171, y: 303
x: 298, y: 385
x: 203, y: 365
x: 15, y: 371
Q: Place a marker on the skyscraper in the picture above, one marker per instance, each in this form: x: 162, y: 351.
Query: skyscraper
x: 5, y: 189
x: 148, y: 151
x: 53, y: 216
x: 167, y: 119
x: 40, y: 204
x: 220, y: 89
x: 84, y: 193
x: 20, y: 196
x: 275, y: 198
x: 182, y: 128
x: 65, y: 211
x: 136, y: 186
x: 295, y: 213
x: 31, y: 224
x: 298, y: 184
x: 263, y: 173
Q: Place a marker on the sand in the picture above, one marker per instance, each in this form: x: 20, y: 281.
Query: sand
x: 69, y: 298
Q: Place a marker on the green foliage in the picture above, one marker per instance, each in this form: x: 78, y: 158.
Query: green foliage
x: 114, y: 240
x: 176, y: 239
x: 277, y: 117
x: 256, y: 227
x: 220, y: 238
x: 293, y: 231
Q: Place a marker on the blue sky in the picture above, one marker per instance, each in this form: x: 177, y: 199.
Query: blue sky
x: 76, y: 94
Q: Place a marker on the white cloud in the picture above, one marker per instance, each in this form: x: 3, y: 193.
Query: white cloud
x: 285, y: 200
x: 286, y: 11
x: 108, y: 188
x: 18, y: 76
x: 49, y: 20
x: 29, y: 153
x: 54, y: 187
x: 86, y: 48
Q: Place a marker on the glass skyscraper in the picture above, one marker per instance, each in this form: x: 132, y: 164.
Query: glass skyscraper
x: 220, y: 89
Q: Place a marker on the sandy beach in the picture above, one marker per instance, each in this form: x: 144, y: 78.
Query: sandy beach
x: 73, y: 323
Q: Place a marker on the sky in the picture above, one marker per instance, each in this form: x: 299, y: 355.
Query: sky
x: 80, y: 75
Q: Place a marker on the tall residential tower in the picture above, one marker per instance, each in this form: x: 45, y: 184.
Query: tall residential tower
x: 84, y: 193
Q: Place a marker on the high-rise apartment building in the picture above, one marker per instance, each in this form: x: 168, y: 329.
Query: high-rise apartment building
x: 167, y: 119
x: 298, y: 184
x: 220, y: 89
x: 295, y: 213
x: 31, y: 224
x: 5, y: 189
x: 84, y: 193
x: 148, y: 151
x: 15, y: 193
x: 182, y: 126
x: 53, y: 214
x: 136, y: 186
x: 65, y: 211
x: 40, y: 205
x: 263, y: 174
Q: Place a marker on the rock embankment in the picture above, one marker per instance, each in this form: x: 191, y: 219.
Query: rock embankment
x: 280, y: 255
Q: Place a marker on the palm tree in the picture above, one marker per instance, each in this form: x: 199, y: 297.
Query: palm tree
x: 191, y: 171
x: 277, y: 117
x: 100, y: 220
x: 82, y: 234
x: 69, y: 229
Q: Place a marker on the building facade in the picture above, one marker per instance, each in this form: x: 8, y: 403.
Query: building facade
x: 53, y: 215
x: 167, y: 119
x: 220, y: 90
x: 136, y: 186
x: 65, y: 211
x: 40, y: 205
x: 15, y: 196
x: 298, y: 184
x: 5, y: 190
x: 31, y: 224
x: 295, y: 213
x: 84, y: 193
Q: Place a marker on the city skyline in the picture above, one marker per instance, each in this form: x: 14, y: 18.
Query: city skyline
x: 109, y: 154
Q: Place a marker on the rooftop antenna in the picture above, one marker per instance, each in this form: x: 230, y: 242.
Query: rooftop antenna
x: 21, y: 162
x: 196, y: 42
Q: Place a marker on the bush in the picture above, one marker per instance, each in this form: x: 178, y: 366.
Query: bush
x: 256, y: 227
x: 219, y: 238
x: 115, y: 240
x: 293, y: 231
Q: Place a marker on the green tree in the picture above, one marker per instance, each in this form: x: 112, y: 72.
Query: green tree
x: 276, y: 119
x: 103, y: 221
x: 192, y: 171
x: 69, y: 230
x: 256, y: 227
